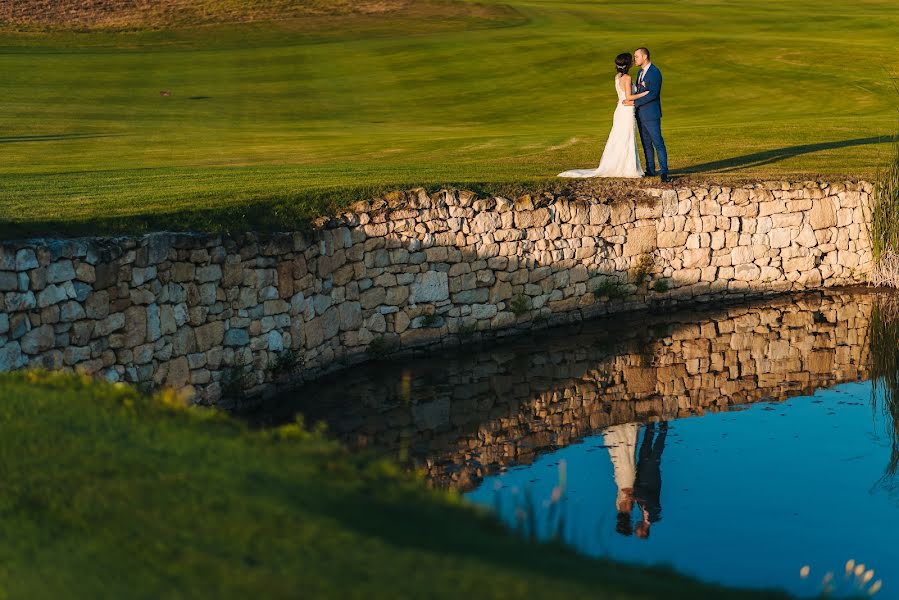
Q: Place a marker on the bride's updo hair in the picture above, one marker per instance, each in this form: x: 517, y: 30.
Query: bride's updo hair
x: 624, y: 62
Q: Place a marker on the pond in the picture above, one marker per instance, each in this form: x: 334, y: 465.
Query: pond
x: 737, y: 444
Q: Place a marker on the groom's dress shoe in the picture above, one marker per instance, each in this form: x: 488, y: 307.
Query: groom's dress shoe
x: 665, y: 178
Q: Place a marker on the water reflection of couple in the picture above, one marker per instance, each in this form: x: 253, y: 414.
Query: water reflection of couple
x: 639, y: 479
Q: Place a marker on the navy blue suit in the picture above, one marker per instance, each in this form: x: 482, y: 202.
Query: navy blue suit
x: 649, y: 120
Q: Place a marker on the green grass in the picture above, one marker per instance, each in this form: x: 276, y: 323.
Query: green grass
x: 108, y: 494
x: 269, y: 124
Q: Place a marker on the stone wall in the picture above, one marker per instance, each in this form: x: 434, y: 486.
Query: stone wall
x: 463, y: 417
x: 212, y: 314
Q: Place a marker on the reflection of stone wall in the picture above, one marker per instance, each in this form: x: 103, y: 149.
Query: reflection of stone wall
x: 411, y: 270
x: 471, y: 415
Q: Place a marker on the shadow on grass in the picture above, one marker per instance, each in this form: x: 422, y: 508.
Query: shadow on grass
x: 54, y: 137
x: 262, y: 214
x: 455, y: 531
x: 406, y: 516
x: 259, y: 217
x: 767, y: 157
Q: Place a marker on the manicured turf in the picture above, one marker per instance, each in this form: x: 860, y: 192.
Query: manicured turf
x: 107, y: 494
x: 314, y: 109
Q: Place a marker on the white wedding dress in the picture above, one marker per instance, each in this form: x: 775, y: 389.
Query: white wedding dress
x: 620, y: 158
x: 621, y: 441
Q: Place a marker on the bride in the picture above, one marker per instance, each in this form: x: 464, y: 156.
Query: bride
x: 620, y: 158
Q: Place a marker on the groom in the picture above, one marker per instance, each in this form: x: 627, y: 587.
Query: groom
x: 649, y: 113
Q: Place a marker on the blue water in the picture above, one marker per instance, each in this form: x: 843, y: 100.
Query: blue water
x: 747, y: 497
x: 777, y: 453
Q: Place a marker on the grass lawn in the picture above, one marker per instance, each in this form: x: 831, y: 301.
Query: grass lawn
x: 271, y: 122
x: 108, y: 494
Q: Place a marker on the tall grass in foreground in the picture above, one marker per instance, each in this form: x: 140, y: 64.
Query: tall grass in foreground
x: 527, y: 522
x: 883, y: 224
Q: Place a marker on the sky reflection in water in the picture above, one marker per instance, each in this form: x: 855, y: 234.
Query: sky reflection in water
x: 747, y: 497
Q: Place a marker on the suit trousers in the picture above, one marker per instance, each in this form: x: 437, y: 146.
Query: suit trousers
x: 651, y: 137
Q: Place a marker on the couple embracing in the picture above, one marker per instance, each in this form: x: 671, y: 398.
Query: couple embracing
x: 639, y: 106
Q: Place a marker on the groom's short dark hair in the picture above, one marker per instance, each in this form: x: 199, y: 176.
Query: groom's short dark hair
x: 644, y: 51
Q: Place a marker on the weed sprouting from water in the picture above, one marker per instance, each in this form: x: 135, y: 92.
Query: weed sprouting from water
x: 857, y: 581
x: 527, y: 522
x: 556, y: 517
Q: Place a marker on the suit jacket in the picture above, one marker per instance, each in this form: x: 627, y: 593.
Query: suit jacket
x: 649, y: 107
x: 648, y: 483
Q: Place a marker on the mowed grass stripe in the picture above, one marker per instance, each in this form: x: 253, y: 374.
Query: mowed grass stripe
x: 305, y: 114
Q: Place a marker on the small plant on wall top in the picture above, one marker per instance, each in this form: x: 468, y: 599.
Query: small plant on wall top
x: 430, y: 320
x: 608, y: 288
x: 236, y: 380
x: 643, y: 268
x: 379, y: 347
x: 661, y: 285
x: 520, y: 305
x: 287, y: 362
x: 468, y: 330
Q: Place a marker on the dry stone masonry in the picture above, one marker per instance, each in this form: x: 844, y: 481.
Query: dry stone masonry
x: 218, y: 316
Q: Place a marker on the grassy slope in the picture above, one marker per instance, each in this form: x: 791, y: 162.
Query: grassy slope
x: 104, y: 494
x: 322, y: 108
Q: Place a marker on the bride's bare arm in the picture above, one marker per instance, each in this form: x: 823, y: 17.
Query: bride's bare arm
x: 627, y: 86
